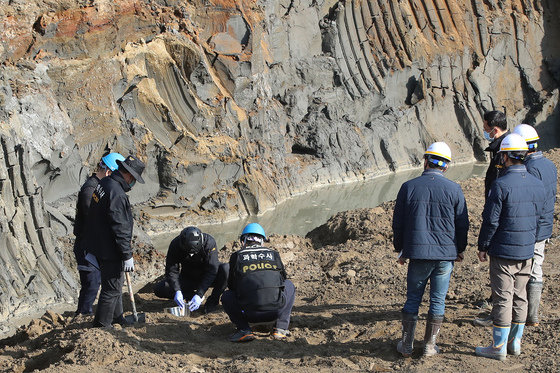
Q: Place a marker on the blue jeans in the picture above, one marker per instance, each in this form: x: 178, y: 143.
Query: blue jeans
x: 419, y: 272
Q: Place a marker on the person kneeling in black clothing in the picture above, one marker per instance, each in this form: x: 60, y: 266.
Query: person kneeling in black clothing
x: 191, y: 267
x: 258, y: 288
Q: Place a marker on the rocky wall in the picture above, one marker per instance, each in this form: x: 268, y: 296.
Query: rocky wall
x: 236, y: 105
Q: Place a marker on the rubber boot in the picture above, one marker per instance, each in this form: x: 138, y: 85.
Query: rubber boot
x: 514, y: 339
x: 433, y: 326
x: 498, y: 349
x: 405, y: 345
x: 534, y: 291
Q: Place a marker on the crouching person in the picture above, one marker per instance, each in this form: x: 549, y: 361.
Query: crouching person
x: 430, y: 226
x: 510, y: 223
x: 191, y: 267
x: 258, y: 288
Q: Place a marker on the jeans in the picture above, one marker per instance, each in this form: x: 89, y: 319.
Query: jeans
x: 419, y: 272
x: 90, y: 281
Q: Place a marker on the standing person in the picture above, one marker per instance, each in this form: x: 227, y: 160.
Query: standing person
x: 258, y: 288
x: 191, y: 267
x: 495, y: 130
x: 109, y: 228
x: 544, y: 170
x: 510, y: 222
x: 430, y: 225
x: 89, y: 275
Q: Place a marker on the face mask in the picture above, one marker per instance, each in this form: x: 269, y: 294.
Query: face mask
x: 132, y: 183
x: 487, y: 136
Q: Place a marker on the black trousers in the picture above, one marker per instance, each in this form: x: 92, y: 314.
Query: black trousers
x: 241, y: 318
x: 188, y: 286
x: 109, y: 306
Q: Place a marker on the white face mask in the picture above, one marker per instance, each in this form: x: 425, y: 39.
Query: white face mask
x: 487, y: 136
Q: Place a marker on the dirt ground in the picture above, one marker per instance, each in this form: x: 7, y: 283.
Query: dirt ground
x: 346, y: 317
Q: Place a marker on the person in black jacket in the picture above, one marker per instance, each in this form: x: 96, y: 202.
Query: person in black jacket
x: 89, y: 275
x: 191, y: 267
x: 109, y: 229
x: 258, y: 288
x: 495, y: 130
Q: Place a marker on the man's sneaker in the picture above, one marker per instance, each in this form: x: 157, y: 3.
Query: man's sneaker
x: 280, y: 334
x: 242, y: 336
x: 483, y: 321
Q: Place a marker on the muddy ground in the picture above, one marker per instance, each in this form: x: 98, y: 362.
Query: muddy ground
x: 346, y: 317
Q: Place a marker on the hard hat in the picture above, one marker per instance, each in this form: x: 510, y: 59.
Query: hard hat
x: 439, y: 149
x: 528, y: 133
x: 111, y: 159
x: 513, y: 143
x: 192, y: 239
x: 254, y: 228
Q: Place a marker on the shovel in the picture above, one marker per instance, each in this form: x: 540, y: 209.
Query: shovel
x: 135, y: 317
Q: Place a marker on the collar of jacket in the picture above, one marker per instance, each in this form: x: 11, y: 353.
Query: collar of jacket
x: 118, y: 177
x: 535, y: 155
x: 432, y: 171
x: 516, y: 168
x: 494, y: 146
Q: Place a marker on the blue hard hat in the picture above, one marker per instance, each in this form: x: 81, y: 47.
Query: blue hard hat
x: 254, y: 228
x: 111, y: 160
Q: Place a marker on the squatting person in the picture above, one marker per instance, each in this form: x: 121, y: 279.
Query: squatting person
x: 90, y: 279
x: 258, y: 288
x: 430, y: 226
x: 543, y: 169
x: 109, y: 227
x: 508, y: 233
x: 191, y: 267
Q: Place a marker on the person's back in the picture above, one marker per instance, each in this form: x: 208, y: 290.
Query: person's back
x: 515, y: 204
x: 430, y: 219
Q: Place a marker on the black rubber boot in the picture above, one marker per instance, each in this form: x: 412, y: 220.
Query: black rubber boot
x: 406, y: 344
x: 433, y: 326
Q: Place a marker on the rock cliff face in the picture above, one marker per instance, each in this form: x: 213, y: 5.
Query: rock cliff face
x: 235, y: 105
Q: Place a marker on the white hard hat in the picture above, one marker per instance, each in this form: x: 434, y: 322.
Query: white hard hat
x: 513, y: 143
x: 439, y: 149
x: 528, y: 133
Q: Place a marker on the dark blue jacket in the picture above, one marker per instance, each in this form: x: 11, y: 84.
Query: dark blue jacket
x: 511, y: 215
x: 544, y: 170
x: 430, y: 220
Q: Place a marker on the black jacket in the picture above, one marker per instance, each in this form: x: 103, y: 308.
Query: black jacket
x: 256, y: 276
x: 200, y: 268
x: 82, y: 208
x: 495, y: 167
x: 109, y: 222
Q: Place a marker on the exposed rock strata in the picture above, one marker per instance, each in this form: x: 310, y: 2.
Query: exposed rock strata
x: 236, y: 105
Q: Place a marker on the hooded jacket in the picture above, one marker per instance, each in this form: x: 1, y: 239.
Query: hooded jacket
x: 200, y: 268
x: 109, y: 222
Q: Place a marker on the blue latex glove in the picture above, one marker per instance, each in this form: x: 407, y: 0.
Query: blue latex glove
x: 179, y: 299
x: 195, y: 302
x: 128, y: 265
